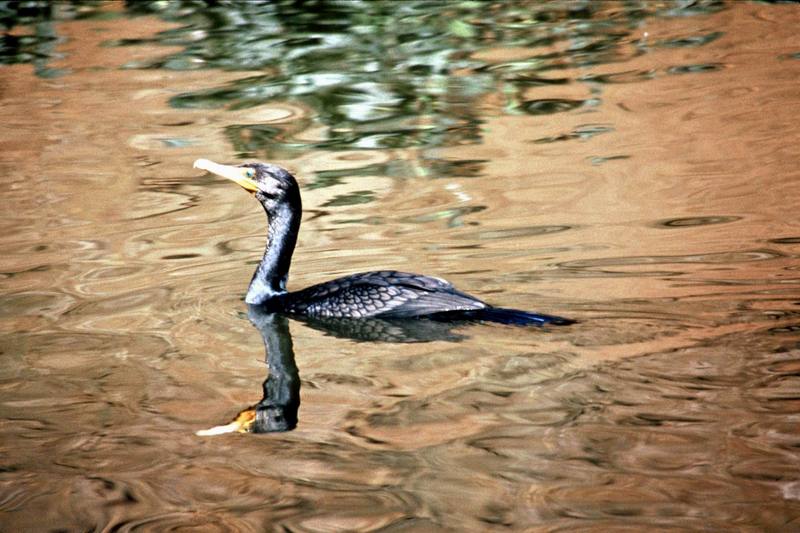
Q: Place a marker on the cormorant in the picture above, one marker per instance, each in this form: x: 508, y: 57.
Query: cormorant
x: 384, y: 294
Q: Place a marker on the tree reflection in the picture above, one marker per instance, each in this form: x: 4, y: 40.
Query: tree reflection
x: 376, y: 74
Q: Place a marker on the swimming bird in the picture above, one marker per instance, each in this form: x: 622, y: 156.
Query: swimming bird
x: 385, y: 294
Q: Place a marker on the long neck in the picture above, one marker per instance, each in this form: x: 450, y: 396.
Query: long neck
x: 269, y: 279
x: 277, y: 410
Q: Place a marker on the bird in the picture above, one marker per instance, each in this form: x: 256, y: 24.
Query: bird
x: 383, y: 294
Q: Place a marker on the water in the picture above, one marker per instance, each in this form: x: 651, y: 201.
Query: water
x: 632, y: 166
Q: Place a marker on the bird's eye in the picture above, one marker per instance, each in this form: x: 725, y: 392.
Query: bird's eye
x: 250, y: 173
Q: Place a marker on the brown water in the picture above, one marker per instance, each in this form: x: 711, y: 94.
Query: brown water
x: 662, y: 213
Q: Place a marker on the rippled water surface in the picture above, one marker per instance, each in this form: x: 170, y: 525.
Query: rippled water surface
x: 630, y: 165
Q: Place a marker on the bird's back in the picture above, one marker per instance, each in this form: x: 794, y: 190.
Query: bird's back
x: 385, y: 294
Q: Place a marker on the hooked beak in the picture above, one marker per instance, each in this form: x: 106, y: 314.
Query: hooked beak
x: 236, y: 174
x: 241, y: 424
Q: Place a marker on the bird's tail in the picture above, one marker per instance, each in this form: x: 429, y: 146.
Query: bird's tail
x: 515, y: 317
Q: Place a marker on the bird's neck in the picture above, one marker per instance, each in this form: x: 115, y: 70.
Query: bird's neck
x: 269, y: 279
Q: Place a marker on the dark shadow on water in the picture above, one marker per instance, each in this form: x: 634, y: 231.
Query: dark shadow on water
x: 387, y: 330
x: 278, y: 409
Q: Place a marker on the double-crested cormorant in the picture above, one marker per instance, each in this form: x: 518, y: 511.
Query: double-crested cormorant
x: 382, y: 294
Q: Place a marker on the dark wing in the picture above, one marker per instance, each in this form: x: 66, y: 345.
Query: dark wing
x: 385, y: 294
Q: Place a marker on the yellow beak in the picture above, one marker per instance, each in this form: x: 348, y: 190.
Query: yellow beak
x: 241, y: 424
x: 236, y: 174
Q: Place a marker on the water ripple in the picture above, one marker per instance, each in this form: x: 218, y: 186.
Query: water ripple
x: 534, y: 155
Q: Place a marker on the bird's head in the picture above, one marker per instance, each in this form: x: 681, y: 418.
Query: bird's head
x: 270, y: 184
x: 264, y: 417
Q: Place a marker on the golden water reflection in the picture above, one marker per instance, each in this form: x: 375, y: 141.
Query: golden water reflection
x: 663, y: 219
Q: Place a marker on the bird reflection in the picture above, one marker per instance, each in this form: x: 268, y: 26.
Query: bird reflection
x: 277, y: 410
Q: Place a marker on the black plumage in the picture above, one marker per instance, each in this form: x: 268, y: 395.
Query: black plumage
x: 382, y: 294
x: 385, y: 294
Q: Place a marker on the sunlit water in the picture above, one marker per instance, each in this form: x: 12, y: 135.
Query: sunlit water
x: 632, y: 166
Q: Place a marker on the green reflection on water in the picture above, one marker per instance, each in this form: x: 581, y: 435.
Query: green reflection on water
x: 376, y: 74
